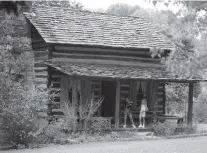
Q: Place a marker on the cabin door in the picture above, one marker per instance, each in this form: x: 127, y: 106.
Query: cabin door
x: 109, y: 93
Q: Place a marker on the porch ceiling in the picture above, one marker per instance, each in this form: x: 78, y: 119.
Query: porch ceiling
x: 116, y: 71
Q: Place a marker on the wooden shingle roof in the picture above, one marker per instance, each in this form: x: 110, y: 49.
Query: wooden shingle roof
x: 108, y: 71
x: 117, y: 71
x: 70, y: 26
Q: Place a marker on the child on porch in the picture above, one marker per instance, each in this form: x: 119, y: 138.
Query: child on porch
x: 142, y: 113
x: 127, y: 112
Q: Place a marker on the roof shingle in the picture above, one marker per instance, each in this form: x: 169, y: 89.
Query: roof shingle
x: 116, y: 71
x: 70, y: 26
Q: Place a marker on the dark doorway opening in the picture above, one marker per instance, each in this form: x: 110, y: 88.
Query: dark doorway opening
x: 109, y: 93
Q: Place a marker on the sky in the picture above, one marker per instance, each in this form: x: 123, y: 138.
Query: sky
x: 96, y: 4
x: 104, y: 4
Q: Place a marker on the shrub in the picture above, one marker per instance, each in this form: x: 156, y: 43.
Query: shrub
x: 126, y: 134
x: 176, y: 98
x: 114, y: 135
x: 19, y: 104
x: 200, y: 112
x: 99, y: 124
x: 164, y: 129
x: 19, y: 115
x: 51, y: 133
x: 200, y: 108
x: 68, y: 121
x: 16, y: 130
x: 88, y: 109
x: 58, y: 127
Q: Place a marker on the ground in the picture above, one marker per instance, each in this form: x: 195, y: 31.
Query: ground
x: 185, y: 145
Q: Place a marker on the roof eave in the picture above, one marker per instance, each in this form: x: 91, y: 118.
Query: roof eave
x: 176, y: 80
x: 102, y: 46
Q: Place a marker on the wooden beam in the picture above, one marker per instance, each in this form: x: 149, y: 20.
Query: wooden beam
x: 108, y: 62
x: 74, y: 99
x: 100, y: 91
x: 105, y: 56
x: 99, y: 49
x: 190, y: 105
x: 108, y: 52
x: 117, y: 106
x: 149, y: 93
x: 164, y: 96
x: 74, y: 91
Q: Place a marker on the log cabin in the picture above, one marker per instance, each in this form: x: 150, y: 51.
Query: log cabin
x: 79, y: 53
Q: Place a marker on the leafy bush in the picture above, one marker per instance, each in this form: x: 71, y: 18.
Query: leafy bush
x: 164, y: 129
x: 19, y: 115
x: 200, y: 112
x: 68, y: 121
x: 98, y: 124
x: 19, y: 104
x: 176, y: 97
x: 123, y: 134
x: 51, y: 133
x: 58, y: 127
x: 88, y: 109
x: 200, y: 108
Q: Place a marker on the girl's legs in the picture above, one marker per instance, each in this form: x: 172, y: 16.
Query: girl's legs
x: 140, y: 120
x: 130, y: 115
x: 143, y: 122
x: 125, y: 118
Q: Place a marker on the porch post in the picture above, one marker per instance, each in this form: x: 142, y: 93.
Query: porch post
x: 74, y: 99
x: 117, y: 106
x: 190, y: 105
x: 74, y: 92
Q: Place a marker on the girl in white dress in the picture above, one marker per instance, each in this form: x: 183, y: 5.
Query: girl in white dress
x: 142, y: 113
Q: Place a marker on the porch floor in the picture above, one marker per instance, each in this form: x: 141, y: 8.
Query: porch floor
x: 148, y: 128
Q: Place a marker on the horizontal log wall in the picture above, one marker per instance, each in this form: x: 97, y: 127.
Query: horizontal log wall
x: 54, y: 83
x: 105, y: 56
x: 41, y: 53
x: 93, y: 85
x: 161, y: 97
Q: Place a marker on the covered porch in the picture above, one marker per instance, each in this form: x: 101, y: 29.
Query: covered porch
x: 79, y: 81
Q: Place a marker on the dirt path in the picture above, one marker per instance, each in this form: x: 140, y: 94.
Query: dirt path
x: 186, y: 145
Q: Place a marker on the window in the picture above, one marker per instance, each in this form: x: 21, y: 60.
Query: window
x: 70, y: 96
x: 141, y: 92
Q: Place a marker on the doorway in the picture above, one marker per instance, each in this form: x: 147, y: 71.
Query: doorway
x: 109, y: 93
